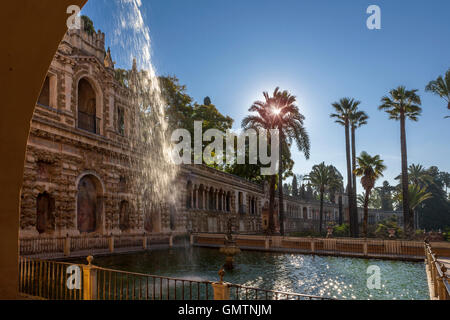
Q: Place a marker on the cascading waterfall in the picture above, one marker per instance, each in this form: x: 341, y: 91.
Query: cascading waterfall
x: 152, y: 169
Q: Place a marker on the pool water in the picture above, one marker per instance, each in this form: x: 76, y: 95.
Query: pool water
x: 337, y: 277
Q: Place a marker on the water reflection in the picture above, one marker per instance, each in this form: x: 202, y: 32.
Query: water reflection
x: 337, y: 277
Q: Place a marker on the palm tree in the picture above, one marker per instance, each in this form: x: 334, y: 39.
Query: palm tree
x: 279, y: 112
x: 441, y: 87
x: 344, y: 112
x: 402, y: 104
x: 358, y: 119
x: 321, y: 178
x: 370, y: 169
x: 417, y: 175
x: 289, y: 122
x: 416, y: 195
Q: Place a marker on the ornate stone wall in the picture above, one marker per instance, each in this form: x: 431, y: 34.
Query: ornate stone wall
x: 80, y: 163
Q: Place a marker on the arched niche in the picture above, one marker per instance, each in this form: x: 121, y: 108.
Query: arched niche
x: 89, y: 204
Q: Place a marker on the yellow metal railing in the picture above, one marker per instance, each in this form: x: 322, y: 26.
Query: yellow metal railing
x: 64, y: 281
x: 439, y: 279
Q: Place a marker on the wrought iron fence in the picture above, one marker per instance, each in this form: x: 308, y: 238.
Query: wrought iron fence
x: 123, y: 285
x: 48, y: 279
x: 65, y: 281
x: 239, y: 292
x: 88, y: 122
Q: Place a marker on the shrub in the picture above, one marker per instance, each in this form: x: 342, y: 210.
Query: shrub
x: 342, y: 231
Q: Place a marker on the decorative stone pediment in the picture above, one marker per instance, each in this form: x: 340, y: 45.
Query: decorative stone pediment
x: 65, y: 48
x: 108, y: 62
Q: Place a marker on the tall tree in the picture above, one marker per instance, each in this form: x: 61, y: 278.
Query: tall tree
x: 344, y: 110
x: 416, y: 195
x: 357, y: 119
x: 402, y: 104
x: 370, y: 169
x: 386, y: 196
x: 417, y: 175
x: 434, y: 213
x: 321, y: 178
x: 294, y: 186
x: 441, y: 87
x: 281, y: 112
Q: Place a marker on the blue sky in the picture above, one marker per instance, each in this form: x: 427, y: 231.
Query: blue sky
x: 320, y: 51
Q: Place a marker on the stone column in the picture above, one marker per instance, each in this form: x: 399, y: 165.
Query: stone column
x: 196, y: 197
x: 216, y: 202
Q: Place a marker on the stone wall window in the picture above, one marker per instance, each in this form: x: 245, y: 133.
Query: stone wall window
x: 124, y: 215
x: 122, y: 184
x: 45, y: 208
x: 48, y: 95
x: 44, y: 97
x: 87, y: 107
x: 120, y: 121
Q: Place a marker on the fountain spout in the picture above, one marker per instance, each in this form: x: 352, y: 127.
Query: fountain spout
x: 230, y: 249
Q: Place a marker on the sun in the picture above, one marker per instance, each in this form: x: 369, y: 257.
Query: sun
x: 276, y: 111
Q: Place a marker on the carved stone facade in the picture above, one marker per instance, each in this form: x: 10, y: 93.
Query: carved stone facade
x: 78, y: 163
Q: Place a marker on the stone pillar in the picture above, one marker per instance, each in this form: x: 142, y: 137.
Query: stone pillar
x: 216, y: 202
x: 204, y: 199
x: 365, y: 248
x: 89, y: 280
x: 196, y: 198
x: 191, y: 239
x: 221, y: 290
x: 312, y: 246
x: 111, y: 244
x: 267, y: 243
x: 171, y: 241
x: 144, y: 242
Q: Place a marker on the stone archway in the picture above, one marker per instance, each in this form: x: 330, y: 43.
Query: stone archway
x: 89, y: 204
x: 30, y: 47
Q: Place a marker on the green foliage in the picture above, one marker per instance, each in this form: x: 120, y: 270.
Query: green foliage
x: 446, y: 234
x: 441, y: 87
x: 342, y: 230
x: 434, y: 213
x: 401, y: 102
x: 383, y: 227
x: 88, y: 25
x: 294, y: 186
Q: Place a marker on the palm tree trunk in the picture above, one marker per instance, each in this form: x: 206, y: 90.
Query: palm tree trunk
x: 366, y: 211
x: 407, y: 219
x: 354, y: 167
x: 280, y: 183
x: 349, y: 183
x: 321, y: 212
x: 271, y: 205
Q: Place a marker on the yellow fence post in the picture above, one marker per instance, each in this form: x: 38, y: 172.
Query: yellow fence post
x: 89, y: 280
x: 365, y: 247
x: 111, y: 243
x: 171, y: 241
x: 67, y: 246
x: 221, y: 289
x: 144, y: 242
